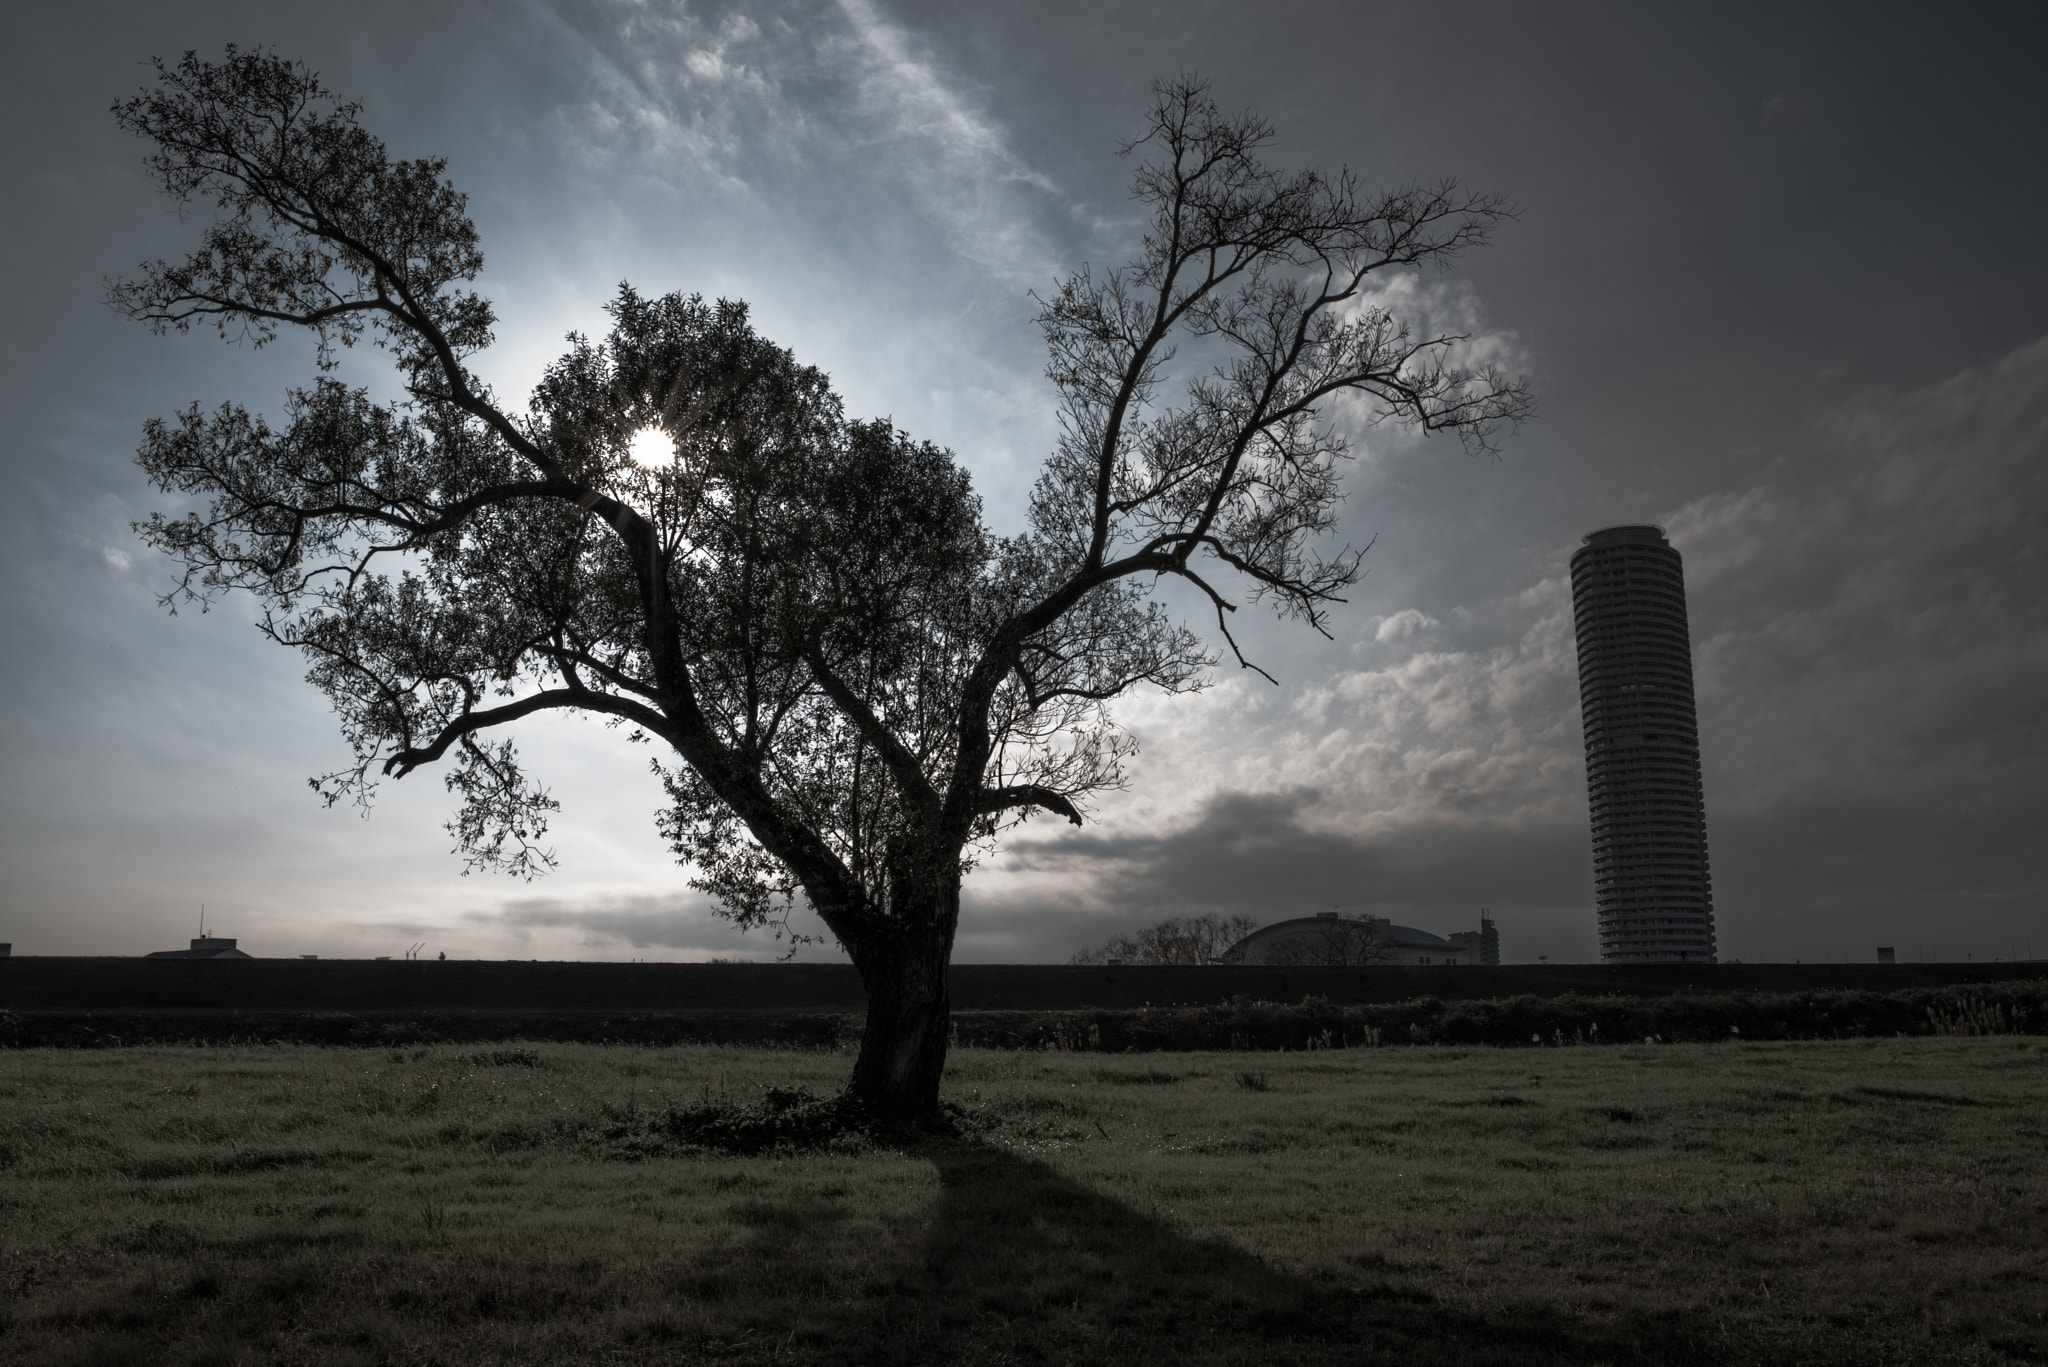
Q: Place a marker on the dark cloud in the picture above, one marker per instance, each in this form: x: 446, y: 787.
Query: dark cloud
x: 1872, y: 644
x: 1264, y: 853
x: 1275, y: 855
x: 638, y: 922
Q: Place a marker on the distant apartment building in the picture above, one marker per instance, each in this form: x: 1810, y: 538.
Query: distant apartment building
x: 1650, y: 883
x: 1481, y: 945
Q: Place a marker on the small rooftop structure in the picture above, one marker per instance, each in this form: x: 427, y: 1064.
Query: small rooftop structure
x: 205, y: 947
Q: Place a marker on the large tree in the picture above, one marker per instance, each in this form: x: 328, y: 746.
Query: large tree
x: 851, y: 684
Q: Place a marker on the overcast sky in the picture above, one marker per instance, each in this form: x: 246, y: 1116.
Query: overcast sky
x: 1780, y: 282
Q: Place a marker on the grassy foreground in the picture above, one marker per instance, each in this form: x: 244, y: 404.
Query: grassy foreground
x: 1867, y: 1201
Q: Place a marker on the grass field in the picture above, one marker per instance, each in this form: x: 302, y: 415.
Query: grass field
x: 1869, y: 1201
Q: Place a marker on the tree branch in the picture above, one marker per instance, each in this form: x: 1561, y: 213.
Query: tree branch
x: 995, y: 800
x: 558, y: 699
x: 903, y: 766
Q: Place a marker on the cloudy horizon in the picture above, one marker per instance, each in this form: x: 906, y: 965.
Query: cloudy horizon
x: 1776, y: 281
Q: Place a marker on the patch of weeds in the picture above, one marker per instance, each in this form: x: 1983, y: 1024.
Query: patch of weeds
x: 1627, y: 1115
x: 1908, y: 1094
x: 202, y: 1285
x: 518, y: 1134
x: 290, y: 1282
x: 1145, y: 1078
x: 2026, y: 1346
x: 1253, y: 1082
x: 1975, y: 1016
x: 1038, y: 1103
x: 1231, y: 1144
x: 784, y: 1218
x: 784, y: 1119
x: 1529, y: 1163
x: 1374, y: 1261
x: 231, y: 1163
x: 1617, y: 1141
x: 661, y: 1327
x: 506, y: 1058
x: 162, y: 1238
x: 22, y: 1272
x: 1035, y: 1122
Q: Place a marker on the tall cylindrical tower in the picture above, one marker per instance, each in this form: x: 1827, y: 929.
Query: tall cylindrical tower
x: 1650, y: 882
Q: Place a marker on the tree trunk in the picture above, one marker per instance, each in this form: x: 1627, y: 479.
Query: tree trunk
x: 903, y: 1048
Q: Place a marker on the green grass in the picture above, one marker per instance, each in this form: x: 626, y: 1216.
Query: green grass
x: 1865, y: 1201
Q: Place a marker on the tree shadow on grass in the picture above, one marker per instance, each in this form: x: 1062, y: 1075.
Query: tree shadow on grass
x: 1023, y: 1264
x: 1018, y: 1264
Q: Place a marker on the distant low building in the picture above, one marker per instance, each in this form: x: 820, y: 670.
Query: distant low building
x: 1330, y: 939
x: 205, y: 947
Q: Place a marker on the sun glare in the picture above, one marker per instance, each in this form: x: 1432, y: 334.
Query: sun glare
x: 652, y: 449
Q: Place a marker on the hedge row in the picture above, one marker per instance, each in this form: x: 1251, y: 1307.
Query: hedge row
x: 1527, y: 1021
x: 113, y: 1029
x: 2002, y: 1008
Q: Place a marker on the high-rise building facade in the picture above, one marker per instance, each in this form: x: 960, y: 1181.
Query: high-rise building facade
x: 1650, y: 881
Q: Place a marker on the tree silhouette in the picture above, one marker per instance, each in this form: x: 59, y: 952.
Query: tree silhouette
x: 850, y: 684
x: 1175, y: 940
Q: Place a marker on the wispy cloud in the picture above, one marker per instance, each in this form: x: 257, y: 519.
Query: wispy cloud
x: 955, y: 157
x: 832, y: 92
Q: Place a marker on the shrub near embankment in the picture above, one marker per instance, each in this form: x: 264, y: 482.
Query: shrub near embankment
x: 1986, y: 1009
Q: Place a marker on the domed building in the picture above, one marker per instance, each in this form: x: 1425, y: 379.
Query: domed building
x: 1330, y: 939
